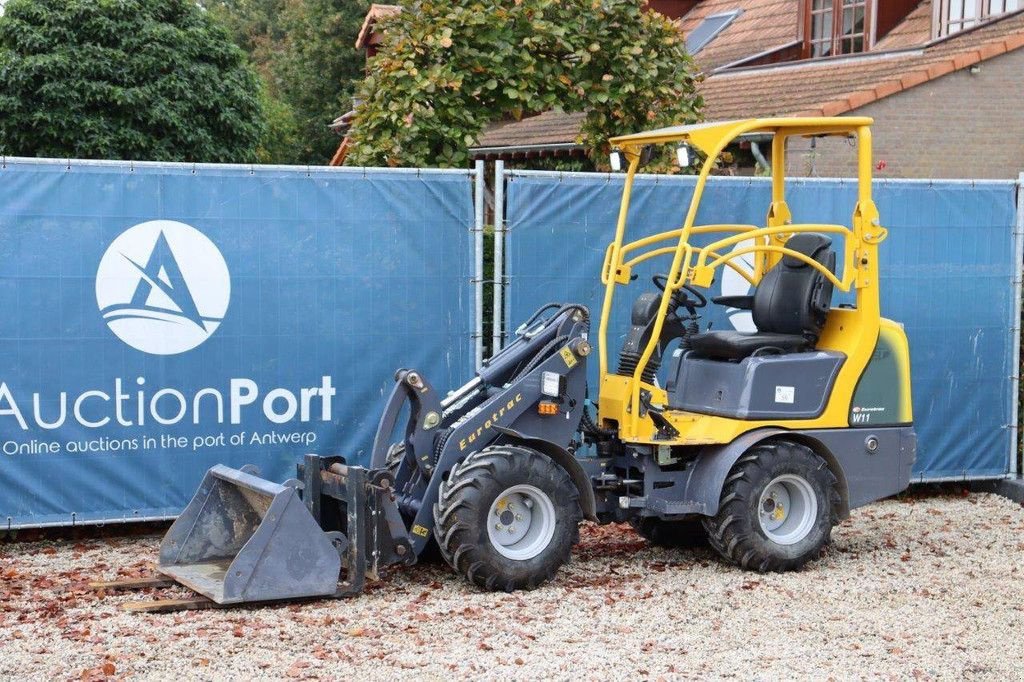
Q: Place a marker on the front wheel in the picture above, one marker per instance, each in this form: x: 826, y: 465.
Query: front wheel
x: 777, y: 509
x: 507, y: 518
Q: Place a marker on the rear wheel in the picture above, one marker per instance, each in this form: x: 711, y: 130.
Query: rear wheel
x: 507, y: 518
x: 777, y: 509
x: 679, y: 534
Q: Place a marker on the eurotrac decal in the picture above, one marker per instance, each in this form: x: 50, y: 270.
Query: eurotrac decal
x: 491, y: 422
x: 163, y: 288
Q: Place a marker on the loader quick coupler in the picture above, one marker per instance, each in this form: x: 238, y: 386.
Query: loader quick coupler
x: 360, y: 504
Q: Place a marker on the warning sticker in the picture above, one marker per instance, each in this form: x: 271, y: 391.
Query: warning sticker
x: 568, y: 357
x: 785, y: 394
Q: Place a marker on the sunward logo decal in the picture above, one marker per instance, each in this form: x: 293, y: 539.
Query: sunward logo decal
x: 163, y: 287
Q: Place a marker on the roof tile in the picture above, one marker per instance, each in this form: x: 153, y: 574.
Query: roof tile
x: 913, y: 78
x: 551, y: 127
x: 888, y: 88
x: 1014, y: 41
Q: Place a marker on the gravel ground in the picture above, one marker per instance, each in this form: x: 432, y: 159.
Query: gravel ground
x: 924, y: 587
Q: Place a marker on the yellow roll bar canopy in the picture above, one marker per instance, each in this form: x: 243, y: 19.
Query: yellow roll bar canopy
x: 706, y: 136
x: 696, y: 266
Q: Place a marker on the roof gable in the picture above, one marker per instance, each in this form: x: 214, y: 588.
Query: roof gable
x: 375, y: 13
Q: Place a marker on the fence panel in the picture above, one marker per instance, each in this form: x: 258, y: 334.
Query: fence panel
x: 948, y: 269
x: 161, y: 318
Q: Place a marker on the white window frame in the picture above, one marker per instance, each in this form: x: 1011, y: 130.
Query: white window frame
x: 983, y: 11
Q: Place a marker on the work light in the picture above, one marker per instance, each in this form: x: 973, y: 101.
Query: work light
x: 616, y: 160
x: 683, y: 155
x: 552, y: 384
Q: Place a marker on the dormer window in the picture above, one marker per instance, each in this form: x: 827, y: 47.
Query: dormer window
x: 954, y: 16
x: 708, y: 29
x: 834, y: 27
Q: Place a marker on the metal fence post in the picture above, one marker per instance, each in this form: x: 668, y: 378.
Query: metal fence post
x: 498, y: 316
x: 478, y: 264
x: 1018, y: 250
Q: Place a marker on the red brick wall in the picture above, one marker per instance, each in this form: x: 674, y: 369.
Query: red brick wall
x: 962, y: 125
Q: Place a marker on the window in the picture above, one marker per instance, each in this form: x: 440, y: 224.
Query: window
x: 959, y: 15
x: 835, y: 27
x: 708, y: 29
x: 821, y: 28
x: 1002, y: 6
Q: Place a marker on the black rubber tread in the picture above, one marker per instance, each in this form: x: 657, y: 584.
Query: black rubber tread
x: 682, y: 534
x: 396, y: 452
x: 734, y: 532
x: 460, y: 517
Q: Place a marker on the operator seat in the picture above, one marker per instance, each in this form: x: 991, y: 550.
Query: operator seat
x: 789, y: 306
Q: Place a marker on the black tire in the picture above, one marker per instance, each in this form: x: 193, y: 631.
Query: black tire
x: 393, y: 458
x: 683, y: 534
x: 736, y: 532
x: 461, y: 517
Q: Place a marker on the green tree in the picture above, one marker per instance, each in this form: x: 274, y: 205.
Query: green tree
x: 124, y: 79
x: 449, y: 67
x: 318, y: 72
x: 305, y: 51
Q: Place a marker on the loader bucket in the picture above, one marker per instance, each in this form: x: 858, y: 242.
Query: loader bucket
x: 243, y: 539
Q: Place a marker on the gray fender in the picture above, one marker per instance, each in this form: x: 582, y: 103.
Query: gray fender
x: 564, y: 459
x: 713, y: 464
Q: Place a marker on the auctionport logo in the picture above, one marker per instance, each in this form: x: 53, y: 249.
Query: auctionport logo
x: 163, y: 287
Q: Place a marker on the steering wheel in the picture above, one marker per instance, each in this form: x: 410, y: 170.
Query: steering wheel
x: 661, y: 281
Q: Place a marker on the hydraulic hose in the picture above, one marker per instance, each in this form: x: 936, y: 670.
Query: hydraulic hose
x: 562, y: 307
x: 541, y: 356
x: 592, y: 429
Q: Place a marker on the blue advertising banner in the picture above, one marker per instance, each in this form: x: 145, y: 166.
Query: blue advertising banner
x: 948, y: 269
x: 162, y: 318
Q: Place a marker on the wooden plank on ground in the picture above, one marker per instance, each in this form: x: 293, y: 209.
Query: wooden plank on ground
x: 132, y: 583
x: 165, y: 605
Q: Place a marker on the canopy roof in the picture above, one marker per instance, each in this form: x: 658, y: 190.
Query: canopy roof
x: 709, y: 136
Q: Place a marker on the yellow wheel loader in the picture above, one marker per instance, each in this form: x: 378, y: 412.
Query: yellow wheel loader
x: 761, y: 440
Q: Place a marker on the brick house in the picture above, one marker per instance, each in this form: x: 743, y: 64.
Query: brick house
x: 944, y: 80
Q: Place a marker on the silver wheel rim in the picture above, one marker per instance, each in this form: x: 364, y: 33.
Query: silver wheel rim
x: 521, y: 522
x: 787, y: 509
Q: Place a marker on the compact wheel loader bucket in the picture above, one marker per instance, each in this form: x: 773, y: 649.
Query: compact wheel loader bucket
x: 244, y: 539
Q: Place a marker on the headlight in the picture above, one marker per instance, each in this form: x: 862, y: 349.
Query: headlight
x: 552, y: 384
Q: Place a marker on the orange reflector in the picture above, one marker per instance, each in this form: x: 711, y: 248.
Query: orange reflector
x: 547, y: 407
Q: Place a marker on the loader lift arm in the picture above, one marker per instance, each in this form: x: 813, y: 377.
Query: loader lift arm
x: 244, y: 539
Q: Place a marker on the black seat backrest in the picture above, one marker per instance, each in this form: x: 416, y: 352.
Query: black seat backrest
x: 793, y: 297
